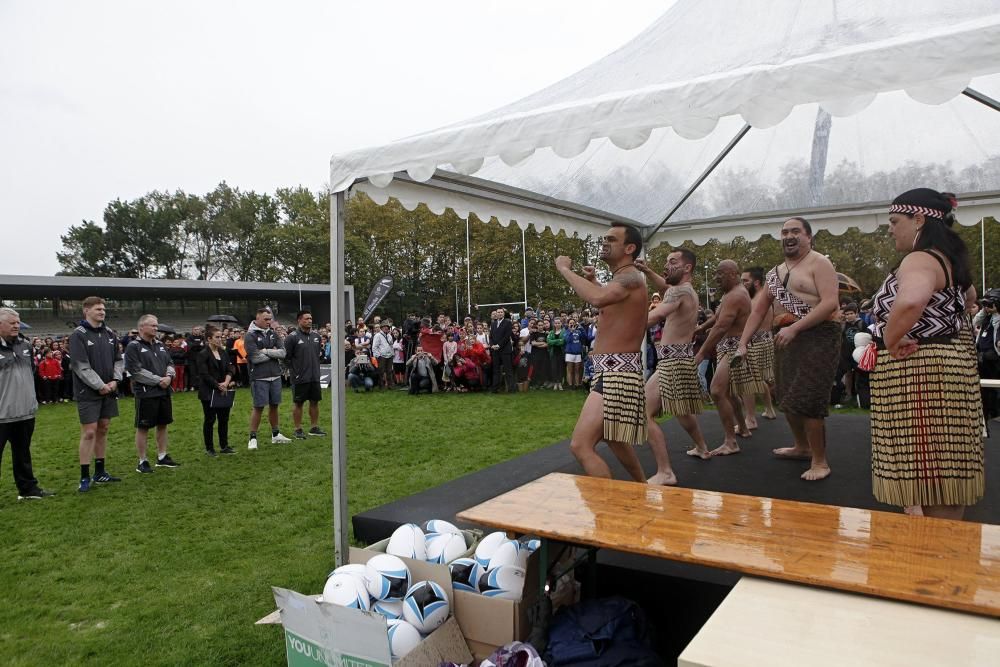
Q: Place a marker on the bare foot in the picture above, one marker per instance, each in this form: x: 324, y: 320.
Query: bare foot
x: 769, y: 415
x: 726, y: 449
x: 913, y: 510
x: 792, y: 453
x: 663, y: 479
x: 700, y: 452
x: 815, y: 473
x: 744, y: 434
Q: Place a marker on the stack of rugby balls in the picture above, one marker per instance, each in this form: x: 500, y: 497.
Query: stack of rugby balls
x: 440, y: 544
x: 383, y: 585
x: 497, y: 570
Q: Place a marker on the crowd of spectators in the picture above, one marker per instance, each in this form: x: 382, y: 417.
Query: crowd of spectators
x: 533, y: 350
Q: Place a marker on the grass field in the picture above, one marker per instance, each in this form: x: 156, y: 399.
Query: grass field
x: 173, y: 568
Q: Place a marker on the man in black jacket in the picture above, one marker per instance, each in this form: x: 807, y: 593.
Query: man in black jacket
x: 303, y: 349
x: 95, y: 360
x: 502, y: 350
x: 152, y: 370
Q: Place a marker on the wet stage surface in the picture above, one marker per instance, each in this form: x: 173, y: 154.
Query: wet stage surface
x: 948, y: 564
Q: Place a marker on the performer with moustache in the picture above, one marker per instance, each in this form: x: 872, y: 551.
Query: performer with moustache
x: 807, y: 342
x: 615, y: 408
x: 674, y: 388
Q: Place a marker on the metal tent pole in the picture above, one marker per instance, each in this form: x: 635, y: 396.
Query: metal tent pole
x: 524, y: 267
x: 468, y: 271
x: 701, y: 179
x: 982, y: 251
x: 982, y: 99
x: 338, y: 425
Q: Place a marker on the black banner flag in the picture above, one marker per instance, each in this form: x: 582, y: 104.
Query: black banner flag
x: 379, y: 292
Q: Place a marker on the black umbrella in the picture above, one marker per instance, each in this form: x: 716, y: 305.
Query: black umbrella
x: 223, y: 318
x: 165, y: 328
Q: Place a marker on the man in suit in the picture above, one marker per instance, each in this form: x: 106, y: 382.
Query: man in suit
x: 502, y: 350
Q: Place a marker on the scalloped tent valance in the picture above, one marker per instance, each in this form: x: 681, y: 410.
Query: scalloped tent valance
x: 702, y: 62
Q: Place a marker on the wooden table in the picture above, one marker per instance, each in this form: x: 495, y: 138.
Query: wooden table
x: 949, y: 564
x: 776, y: 624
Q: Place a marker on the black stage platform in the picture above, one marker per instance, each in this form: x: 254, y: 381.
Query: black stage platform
x: 678, y: 597
x: 755, y: 471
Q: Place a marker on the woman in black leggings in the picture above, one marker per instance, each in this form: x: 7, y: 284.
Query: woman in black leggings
x: 216, y: 389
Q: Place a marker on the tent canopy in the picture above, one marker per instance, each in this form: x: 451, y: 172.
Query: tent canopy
x: 849, y: 101
x: 870, y: 89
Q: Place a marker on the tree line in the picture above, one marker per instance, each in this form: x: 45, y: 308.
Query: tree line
x: 230, y: 234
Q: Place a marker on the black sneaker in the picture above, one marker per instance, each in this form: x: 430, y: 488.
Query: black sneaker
x: 166, y: 462
x: 317, y: 431
x: 299, y: 434
x: 35, y: 494
x: 144, y: 467
x: 227, y: 450
x: 105, y: 478
x: 210, y: 452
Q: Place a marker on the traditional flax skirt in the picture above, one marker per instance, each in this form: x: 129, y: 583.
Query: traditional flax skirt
x: 742, y: 380
x: 761, y: 356
x: 618, y: 379
x: 805, y: 370
x: 927, y: 427
x: 677, y: 379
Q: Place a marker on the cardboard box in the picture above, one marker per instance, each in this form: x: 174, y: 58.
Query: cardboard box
x: 488, y: 622
x: 326, y: 634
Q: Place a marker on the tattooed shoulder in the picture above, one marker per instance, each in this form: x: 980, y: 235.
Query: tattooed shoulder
x: 631, y: 279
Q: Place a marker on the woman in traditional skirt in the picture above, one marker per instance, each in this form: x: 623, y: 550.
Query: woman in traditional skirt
x: 926, y: 419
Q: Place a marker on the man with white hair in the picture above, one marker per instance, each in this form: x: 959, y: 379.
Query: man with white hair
x: 18, y: 404
x: 152, y: 370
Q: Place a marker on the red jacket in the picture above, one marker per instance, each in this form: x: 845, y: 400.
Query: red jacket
x: 50, y: 369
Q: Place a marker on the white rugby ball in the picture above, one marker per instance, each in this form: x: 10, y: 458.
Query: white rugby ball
x: 391, y: 610
x: 387, y: 577
x: 530, y: 544
x: 444, y: 547
x: 403, y: 637
x: 506, y: 581
x: 353, y: 569
x: 426, y: 606
x: 347, y: 591
x: 407, y: 541
x: 441, y: 526
x: 465, y: 574
x: 489, y: 544
x: 506, y: 553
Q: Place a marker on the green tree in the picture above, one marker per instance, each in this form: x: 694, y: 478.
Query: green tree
x: 84, y: 252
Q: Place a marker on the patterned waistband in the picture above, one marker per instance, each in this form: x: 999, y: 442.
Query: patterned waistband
x: 726, y: 345
x: 617, y: 362
x: 759, y: 335
x: 675, y: 351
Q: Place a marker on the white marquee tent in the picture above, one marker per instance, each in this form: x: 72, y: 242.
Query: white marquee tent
x: 893, y: 94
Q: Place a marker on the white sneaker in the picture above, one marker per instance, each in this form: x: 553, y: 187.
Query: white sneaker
x: 280, y: 440
x: 252, y: 444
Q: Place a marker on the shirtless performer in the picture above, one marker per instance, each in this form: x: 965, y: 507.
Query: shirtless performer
x: 761, y: 353
x: 674, y: 388
x: 728, y: 384
x: 807, y: 342
x: 615, y: 410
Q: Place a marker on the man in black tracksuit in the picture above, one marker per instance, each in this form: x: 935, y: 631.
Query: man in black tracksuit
x: 152, y: 370
x: 95, y: 359
x: 303, y: 350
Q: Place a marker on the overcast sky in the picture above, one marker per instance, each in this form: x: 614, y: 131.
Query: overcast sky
x: 102, y: 100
